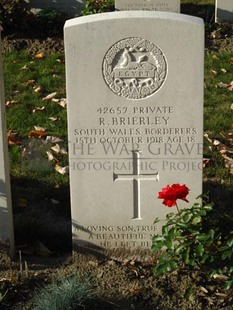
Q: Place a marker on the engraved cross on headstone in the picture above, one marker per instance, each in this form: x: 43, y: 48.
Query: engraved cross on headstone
x: 136, y: 177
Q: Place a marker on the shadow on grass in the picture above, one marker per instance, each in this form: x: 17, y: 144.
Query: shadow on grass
x: 205, y: 11
x: 221, y: 217
x: 219, y: 194
x: 41, y: 214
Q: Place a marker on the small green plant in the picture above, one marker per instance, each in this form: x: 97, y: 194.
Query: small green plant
x: 189, y: 239
x: 97, y: 6
x: 66, y: 292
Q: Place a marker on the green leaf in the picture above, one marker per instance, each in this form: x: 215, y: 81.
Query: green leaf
x: 182, y: 225
x: 211, y: 233
x: 188, y: 293
x: 192, y: 262
x: 199, y: 249
x: 226, y: 254
x: 164, y: 230
x: 173, y: 264
x: 223, y: 248
x: 230, y: 241
x: 162, y: 268
x: 168, y: 244
x: 156, y: 247
x: 204, y: 258
x: 196, y: 205
x: 208, y: 207
x: 186, y: 256
x: 196, y: 220
x: 186, y: 217
x: 183, y: 245
x: 202, y: 212
x: 157, y: 238
x: 202, y: 237
x: 228, y: 284
x: 171, y: 233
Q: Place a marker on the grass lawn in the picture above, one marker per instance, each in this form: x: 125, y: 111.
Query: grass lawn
x: 28, y: 80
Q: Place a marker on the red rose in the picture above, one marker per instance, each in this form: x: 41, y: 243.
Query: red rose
x: 170, y: 194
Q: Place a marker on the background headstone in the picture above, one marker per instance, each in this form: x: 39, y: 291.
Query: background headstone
x: 6, y: 218
x: 148, y: 5
x: 135, y: 121
x: 223, y: 10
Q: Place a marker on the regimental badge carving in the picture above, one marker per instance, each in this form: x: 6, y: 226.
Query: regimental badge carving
x: 134, y: 68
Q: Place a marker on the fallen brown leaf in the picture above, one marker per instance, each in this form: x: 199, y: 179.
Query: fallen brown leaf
x: 50, y: 156
x: 22, y: 202
x: 37, y: 134
x: 222, y: 85
x: 62, y: 102
x: 30, y: 83
x: 38, y: 128
x: 220, y: 277
x: 230, y: 86
x: 216, y: 34
x: 205, y: 162
x: 53, y: 119
x: 52, y: 139
x: 203, y: 289
x: 49, y: 97
x: 39, y: 55
x: 13, y: 138
x: 37, y: 89
x: 57, y: 149
x: 38, y: 109
x: 61, y: 170
x: 25, y: 68
x: 11, y: 102
x: 214, y: 72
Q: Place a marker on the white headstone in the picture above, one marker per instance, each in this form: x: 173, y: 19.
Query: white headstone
x: 6, y: 218
x: 148, y: 5
x: 135, y: 121
x: 223, y: 10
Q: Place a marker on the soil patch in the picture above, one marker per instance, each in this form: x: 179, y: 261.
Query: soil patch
x: 117, y: 284
x: 219, y: 39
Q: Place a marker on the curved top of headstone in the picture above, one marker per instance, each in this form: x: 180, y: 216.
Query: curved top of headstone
x: 133, y: 14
